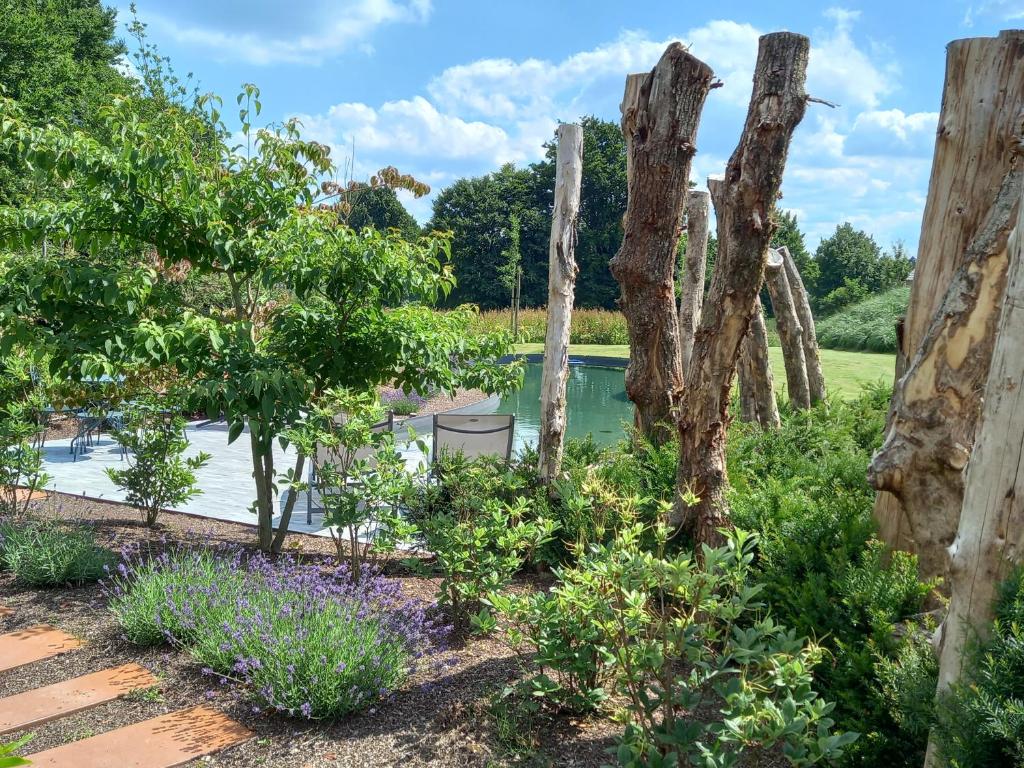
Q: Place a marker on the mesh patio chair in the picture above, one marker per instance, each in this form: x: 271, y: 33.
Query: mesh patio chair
x: 473, y: 435
x: 341, y: 457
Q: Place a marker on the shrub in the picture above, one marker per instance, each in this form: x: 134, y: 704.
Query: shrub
x: 20, y: 461
x: 869, y: 325
x: 680, y: 638
x: 589, y: 326
x: 981, y: 718
x: 42, y: 554
x: 305, y: 641
x: 157, y: 475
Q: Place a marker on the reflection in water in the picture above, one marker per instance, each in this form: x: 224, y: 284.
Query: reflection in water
x: 596, y: 398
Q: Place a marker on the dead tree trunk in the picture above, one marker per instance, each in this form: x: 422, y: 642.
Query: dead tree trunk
x: 791, y: 333
x: 757, y: 385
x: 561, y: 290
x: 990, y: 538
x: 692, y: 292
x: 752, y: 180
x: 812, y: 357
x: 661, y: 131
x: 976, y: 145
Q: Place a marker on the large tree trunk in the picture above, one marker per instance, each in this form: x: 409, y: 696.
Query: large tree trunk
x: 561, y: 290
x: 661, y: 130
x: 692, y: 290
x: 753, y: 177
x: 757, y: 384
x: 977, y: 140
x: 791, y: 333
x: 990, y: 537
x: 812, y: 357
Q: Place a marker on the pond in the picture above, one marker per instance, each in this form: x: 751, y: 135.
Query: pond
x: 596, y: 398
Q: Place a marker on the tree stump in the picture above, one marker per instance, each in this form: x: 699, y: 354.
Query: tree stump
x: 757, y: 384
x: 661, y: 131
x: 561, y: 290
x: 791, y: 333
x: 812, y: 357
x: 753, y: 177
x: 692, y: 289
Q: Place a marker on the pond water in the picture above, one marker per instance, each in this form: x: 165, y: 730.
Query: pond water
x: 596, y: 398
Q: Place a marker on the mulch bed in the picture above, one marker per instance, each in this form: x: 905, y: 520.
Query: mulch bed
x: 439, y: 718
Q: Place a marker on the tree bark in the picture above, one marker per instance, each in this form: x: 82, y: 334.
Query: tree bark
x: 990, y: 537
x: 661, y: 130
x: 757, y: 384
x: 802, y: 302
x: 561, y: 290
x: 978, y: 134
x: 791, y: 332
x: 752, y: 180
x: 692, y: 289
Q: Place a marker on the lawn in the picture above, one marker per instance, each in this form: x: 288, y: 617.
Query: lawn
x: 845, y: 372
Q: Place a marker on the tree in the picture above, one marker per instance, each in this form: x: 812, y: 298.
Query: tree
x: 59, y: 60
x: 379, y: 207
x: 314, y: 304
x: 852, y: 266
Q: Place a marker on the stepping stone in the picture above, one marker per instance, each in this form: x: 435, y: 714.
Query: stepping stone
x: 34, y: 644
x: 163, y: 742
x: 35, y: 707
x: 5, y: 611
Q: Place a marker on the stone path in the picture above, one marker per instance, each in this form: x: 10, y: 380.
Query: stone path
x: 160, y: 742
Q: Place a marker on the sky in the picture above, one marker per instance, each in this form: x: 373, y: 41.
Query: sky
x: 450, y: 88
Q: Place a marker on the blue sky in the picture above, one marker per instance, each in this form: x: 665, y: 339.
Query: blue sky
x: 447, y: 88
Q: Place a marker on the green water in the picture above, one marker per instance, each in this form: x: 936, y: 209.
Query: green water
x: 596, y: 399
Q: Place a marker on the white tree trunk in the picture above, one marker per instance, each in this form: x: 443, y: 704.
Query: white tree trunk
x: 990, y: 535
x: 692, y: 282
x: 791, y: 333
x: 561, y: 290
x: 812, y: 357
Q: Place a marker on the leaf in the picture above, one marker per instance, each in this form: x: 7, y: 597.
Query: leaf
x: 235, y: 430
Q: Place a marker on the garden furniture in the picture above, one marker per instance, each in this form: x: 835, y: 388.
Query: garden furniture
x: 473, y: 435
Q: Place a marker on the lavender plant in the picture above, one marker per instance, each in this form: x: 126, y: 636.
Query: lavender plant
x: 304, y: 640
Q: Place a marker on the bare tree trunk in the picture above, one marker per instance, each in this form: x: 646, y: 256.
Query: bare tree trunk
x: 757, y: 384
x: 975, y: 146
x: 692, y: 294
x: 990, y: 539
x: 561, y: 290
x: 661, y: 131
x: 812, y: 357
x: 753, y: 177
x: 791, y: 333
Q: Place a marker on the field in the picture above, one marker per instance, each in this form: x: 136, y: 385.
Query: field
x: 845, y: 372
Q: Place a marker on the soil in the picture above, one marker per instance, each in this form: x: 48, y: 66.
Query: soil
x: 441, y: 717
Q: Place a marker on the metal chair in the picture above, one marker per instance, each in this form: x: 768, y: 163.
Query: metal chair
x: 83, y: 437
x: 473, y: 435
x: 342, y: 457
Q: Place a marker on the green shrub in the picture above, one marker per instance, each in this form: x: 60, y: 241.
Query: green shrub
x: 589, y: 326
x: 157, y: 475
x: 42, y: 554
x: 981, y: 718
x: 868, y: 325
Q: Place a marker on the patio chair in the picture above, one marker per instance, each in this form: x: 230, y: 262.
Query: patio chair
x: 341, y: 457
x: 473, y: 435
x: 87, y: 423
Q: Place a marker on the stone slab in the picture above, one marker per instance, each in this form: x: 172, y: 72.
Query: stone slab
x: 34, y: 644
x: 163, y: 742
x: 41, y: 705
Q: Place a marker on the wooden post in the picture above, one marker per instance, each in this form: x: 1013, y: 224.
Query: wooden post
x: 659, y: 122
x: 753, y: 177
x: 692, y: 290
x: 990, y: 538
x: 791, y: 333
x: 561, y: 290
x: 959, y: 282
x: 757, y: 384
x: 812, y: 357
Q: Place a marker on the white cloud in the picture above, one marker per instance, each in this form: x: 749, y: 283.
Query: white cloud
x: 840, y: 71
x: 893, y: 132
x: 1003, y: 10
x: 268, y: 33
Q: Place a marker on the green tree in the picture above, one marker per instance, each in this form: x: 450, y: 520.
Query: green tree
x: 314, y: 304
x: 380, y: 208
x: 850, y: 261
x: 788, y: 234
x: 59, y: 60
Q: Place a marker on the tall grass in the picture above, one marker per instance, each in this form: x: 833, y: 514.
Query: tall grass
x: 589, y: 326
x: 868, y: 326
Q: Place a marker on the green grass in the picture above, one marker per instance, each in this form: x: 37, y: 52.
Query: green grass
x: 869, y: 325
x: 845, y: 372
